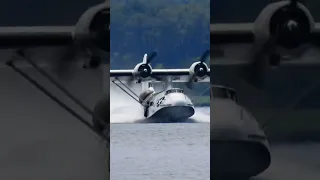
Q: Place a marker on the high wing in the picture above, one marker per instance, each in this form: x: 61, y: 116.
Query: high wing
x: 156, y: 72
x: 231, y: 33
x: 46, y: 45
x: 16, y: 37
x: 243, y: 33
x: 179, y: 75
x: 41, y: 43
x: 89, y: 38
x: 198, y: 71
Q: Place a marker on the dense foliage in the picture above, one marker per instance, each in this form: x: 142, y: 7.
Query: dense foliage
x: 177, y: 29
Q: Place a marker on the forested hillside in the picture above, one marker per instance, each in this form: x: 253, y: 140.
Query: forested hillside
x: 177, y: 29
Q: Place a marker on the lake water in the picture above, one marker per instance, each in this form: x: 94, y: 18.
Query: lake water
x: 160, y: 151
x: 156, y: 151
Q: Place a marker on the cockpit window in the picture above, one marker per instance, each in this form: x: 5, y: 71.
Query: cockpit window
x: 219, y: 92
x: 222, y: 92
x: 174, y: 91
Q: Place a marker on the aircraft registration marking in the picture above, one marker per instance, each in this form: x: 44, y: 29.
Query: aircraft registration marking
x: 160, y: 101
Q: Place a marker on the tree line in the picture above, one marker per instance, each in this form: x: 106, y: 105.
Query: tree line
x: 177, y: 29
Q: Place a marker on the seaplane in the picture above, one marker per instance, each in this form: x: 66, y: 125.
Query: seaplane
x: 282, y: 33
x: 168, y: 104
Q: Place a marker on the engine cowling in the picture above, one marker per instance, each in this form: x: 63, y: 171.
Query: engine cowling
x: 292, y: 25
x: 199, y: 70
x: 142, y: 71
x: 91, y: 40
x: 92, y: 29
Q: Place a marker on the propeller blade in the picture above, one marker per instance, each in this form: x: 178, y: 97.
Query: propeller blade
x: 95, y: 58
x: 167, y: 82
x: 63, y: 66
x: 205, y: 55
x: 151, y: 57
x: 260, y: 62
x: 94, y: 63
x: 202, y: 59
x: 130, y: 81
x: 190, y: 81
x: 157, y: 78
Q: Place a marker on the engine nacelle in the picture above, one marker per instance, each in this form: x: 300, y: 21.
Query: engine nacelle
x: 199, y: 70
x: 292, y: 25
x: 93, y: 28
x: 142, y: 71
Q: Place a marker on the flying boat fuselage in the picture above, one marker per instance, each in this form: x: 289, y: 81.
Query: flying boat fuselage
x: 172, y: 105
x: 239, y: 147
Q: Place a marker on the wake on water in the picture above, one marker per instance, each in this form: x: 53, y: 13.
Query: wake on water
x: 123, y: 109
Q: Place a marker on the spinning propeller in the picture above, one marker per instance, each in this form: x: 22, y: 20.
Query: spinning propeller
x: 199, y: 70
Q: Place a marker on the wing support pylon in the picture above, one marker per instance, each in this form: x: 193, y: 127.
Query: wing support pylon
x: 126, y: 89
x: 41, y: 88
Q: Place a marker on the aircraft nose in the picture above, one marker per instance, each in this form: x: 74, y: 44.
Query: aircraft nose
x: 226, y: 123
x: 178, y: 102
x: 225, y: 131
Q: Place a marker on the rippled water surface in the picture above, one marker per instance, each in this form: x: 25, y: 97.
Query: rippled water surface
x: 160, y: 151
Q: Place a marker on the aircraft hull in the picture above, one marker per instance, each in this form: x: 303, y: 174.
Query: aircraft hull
x: 172, y: 114
x: 239, y: 158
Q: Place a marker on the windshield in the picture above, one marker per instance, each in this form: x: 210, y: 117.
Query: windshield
x: 223, y: 92
x: 174, y: 91
x: 219, y: 92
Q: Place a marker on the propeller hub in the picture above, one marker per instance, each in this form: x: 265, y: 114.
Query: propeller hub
x: 291, y: 26
x: 200, y: 70
x: 144, y: 70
